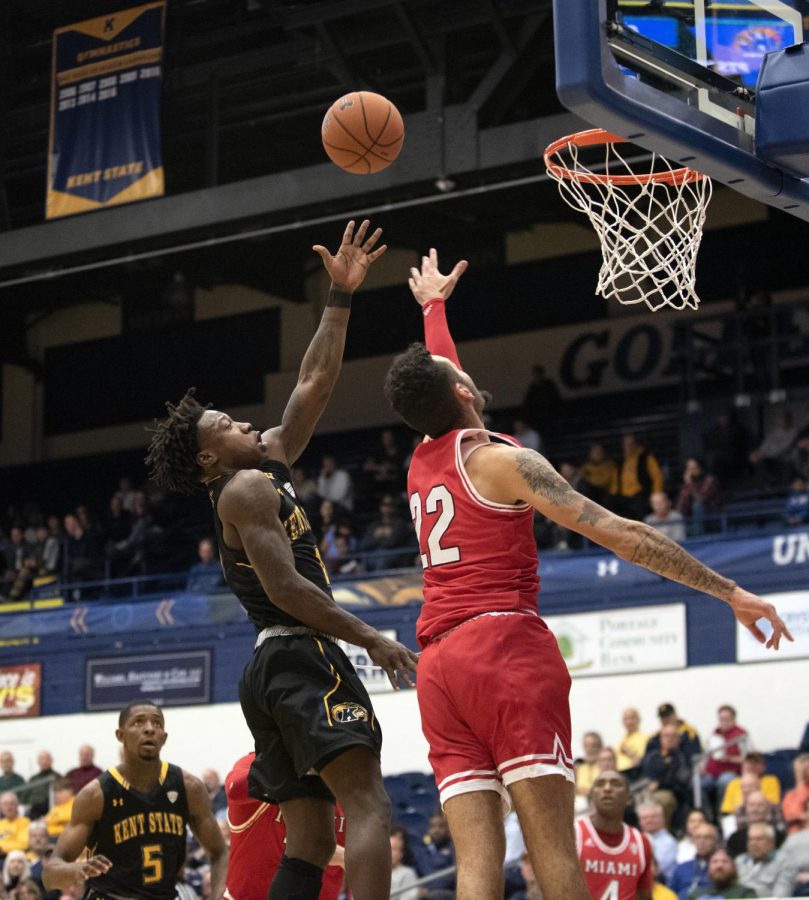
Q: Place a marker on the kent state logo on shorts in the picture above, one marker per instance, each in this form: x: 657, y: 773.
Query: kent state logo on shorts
x: 349, y: 712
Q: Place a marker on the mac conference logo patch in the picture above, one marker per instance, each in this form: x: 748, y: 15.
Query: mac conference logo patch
x: 349, y: 712
x: 172, y: 795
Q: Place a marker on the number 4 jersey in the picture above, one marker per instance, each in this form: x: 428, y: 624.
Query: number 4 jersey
x: 615, y: 866
x: 143, y: 836
x: 478, y: 556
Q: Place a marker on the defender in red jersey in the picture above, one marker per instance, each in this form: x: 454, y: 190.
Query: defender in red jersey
x: 617, y: 860
x: 258, y: 841
x: 492, y: 685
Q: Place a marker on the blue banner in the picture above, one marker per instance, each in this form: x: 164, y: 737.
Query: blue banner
x: 105, y: 111
x: 169, y: 679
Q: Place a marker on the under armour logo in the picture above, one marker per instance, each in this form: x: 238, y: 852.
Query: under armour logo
x: 118, y: 801
x: 109, y: 24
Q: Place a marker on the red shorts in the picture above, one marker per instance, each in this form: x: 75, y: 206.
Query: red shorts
x: 493, y: 696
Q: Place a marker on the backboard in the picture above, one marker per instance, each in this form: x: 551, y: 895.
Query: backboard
x: 678, y: 77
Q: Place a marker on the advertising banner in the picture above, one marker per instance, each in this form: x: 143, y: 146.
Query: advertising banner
x: 169, y: 679
x: 20, y: 690
x: 104, y: 144
x: 643, y: 639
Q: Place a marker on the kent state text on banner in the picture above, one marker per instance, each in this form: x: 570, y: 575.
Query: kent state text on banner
x: 105, y: 111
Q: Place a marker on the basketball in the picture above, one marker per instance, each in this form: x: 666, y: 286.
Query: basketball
x: 362, y: 133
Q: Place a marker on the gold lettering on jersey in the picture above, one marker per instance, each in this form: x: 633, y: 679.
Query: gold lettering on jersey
x: 156, y: 823
x: 297, y: 524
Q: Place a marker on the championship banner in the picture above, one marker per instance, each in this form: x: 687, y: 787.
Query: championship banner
x: 20, y: 691
x: 105, y: 111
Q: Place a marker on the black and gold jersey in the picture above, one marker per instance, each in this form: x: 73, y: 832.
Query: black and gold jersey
x: 239, y: 574
x: 143, y: 836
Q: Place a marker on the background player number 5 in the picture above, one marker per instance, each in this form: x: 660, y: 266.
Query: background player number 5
x: 438, y: 496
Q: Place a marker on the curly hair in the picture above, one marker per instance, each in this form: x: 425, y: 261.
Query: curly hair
x: 421, y: 390
x: 174, y: 445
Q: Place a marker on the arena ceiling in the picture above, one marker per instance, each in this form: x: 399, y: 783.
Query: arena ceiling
x: 246, y: 84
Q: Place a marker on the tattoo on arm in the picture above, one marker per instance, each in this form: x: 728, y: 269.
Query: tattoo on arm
x: 660, y: 554
x: 542, y: 478
x: 592, y: 513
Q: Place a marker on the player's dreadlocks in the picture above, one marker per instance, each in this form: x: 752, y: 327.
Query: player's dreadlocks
x: 421, y: 390
x: 174, y: 445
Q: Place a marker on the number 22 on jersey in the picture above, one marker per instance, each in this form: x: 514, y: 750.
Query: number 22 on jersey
x: 438, y: 497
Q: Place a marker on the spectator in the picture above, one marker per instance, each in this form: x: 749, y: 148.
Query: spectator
x: 587, y: 768
x: 436, y: 853
x: 50, y: 549
x: 125, y: 494
x: 58, y: 817
x: 665, y: 519
x: 334, y: 483
x: 724, y: 763
x: 343, y: 559
x: 757, y: 867
x: 699, y: 499
x: 669, y: 773
x: 526, y: 435
x: 13, y: 826
x: 771, y: 460
x: 36, y: 793
x: 796, y: 801
x: 531, y: 890
x: 81, y: 560
x: 686, y: 848
x: 694, y: 873
x: 401, y: 876
x: 305, y: 488
x: 727, y: 448
x: 27, y: 889
x: 216, y: 791
x: 690, y: 743
x: 723, y: 880
x: 599, y: 477
x: 639, y: 476
x: 792, y: 862
x: 653, y: 824
x: 659, y: 890
x: 131, y: 555
x: 385, y: 468
x: 15, y: 869
x: 606, y: 760
x: 9, y: 779
x: 796, y: 508
x: 205, y: 576
x: 753, y: 763
x: 757, y: 811
x: 325, y: 528
x: 390, y: 531
x: 118, y: 523
x: 632, y: 748
x: 541, y: 400
x: 86, y: 770
x: 39, y: 849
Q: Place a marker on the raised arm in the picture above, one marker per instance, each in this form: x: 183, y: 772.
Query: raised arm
x: 431, y: 289
x: 61, y: 869
x: 508, y: 474
x: 206, y: 830
x: 324, y: 356
x: 250, y: 505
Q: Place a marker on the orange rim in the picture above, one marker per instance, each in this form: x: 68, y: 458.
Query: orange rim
x: 593, y: 138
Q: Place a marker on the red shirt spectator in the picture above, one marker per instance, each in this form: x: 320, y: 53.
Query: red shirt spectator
x: 729, y: 759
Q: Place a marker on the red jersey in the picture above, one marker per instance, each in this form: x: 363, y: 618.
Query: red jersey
x: 258, y: 839
x: 478, y: 556
x: 615, y: 866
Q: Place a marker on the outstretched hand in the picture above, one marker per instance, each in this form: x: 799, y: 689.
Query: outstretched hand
x: 429, y: 284
x: 396, y: 659
x: 348, y: 267
x: 748, y: 609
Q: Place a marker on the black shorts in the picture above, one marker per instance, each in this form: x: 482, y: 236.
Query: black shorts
x: 305, y: 705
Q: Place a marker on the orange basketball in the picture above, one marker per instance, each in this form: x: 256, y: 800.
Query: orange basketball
x: 362, y: 133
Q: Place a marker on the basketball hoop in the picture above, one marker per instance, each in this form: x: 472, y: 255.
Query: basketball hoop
x: 649, y: 223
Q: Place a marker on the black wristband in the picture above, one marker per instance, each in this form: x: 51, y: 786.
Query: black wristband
x: 341, y: 299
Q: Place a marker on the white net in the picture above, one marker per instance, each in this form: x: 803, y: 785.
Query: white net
x: 649, y: 224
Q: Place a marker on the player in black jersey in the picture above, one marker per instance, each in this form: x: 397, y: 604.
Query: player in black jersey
x: 315, y: 730
x: 132, y: 819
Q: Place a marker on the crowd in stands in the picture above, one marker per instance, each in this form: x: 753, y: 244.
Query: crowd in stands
x: 359, y: 511
x: 719, y: 823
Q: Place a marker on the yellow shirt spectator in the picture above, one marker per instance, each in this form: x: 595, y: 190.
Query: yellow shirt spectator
x: 770, y: 787
x: 59, y: 817
x: 14, y: 834
x: 661, y: 892
x: 633, y: 481
x: 633, y: 744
